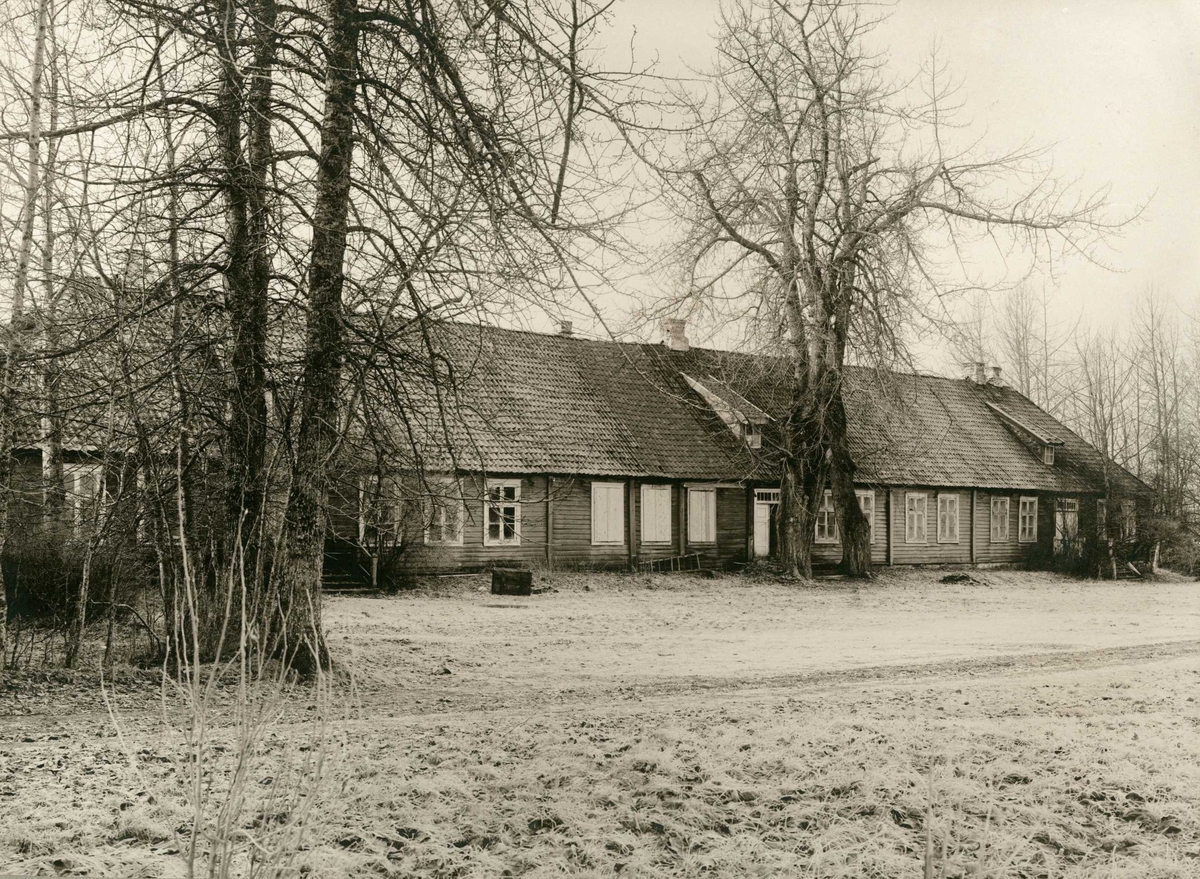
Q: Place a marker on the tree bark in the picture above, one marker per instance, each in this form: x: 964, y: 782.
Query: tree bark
x: 804, y: 473
x: 855, y: 529
x: 245, y: 97
x: 16, y: 312
x: 54, y: 491
x: 302, y: 641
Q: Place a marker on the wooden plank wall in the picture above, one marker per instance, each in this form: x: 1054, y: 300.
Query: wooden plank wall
x: 932, y: 552
x: 831, y: 553
x: 572, y: 512
x: 731, y: 529
x: 573, y: 527
x: 572, y: 498
x: 531, y: 552
x: 659, y: 550
x: 1010, y: 551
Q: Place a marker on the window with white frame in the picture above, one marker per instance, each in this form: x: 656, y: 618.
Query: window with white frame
x: 827, y: 530
x: 1066, y: 522
x: 444, y: 515
x: 916, y: 510
x: 608, y: 513
x: 866, y: 503
x: 1000, y: 510
x: 1027, y: 520
x: 1048, y: 455
x: 947, y: 505
x: 1128, y: 520
x: 83, y: 485
x: 656, y: 514
x: 502, y: 513
x: 380, y: 511
x: 1102, y: 517
x: 702, y: 515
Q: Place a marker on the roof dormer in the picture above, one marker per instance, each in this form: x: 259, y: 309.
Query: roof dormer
x: 741, y: 416
x: 1044, y: 443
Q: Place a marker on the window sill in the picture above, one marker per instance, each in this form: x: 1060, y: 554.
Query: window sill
x: 502, y: 544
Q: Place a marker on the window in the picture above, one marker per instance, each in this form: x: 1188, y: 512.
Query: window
x: 444, y: 515
x: 702, y: 515
x: 1027, y: 520
x: 380, y: 511
x: 1048, y: 455
x: 608, y: 513
x: 753, y: 435
x: 866, y: 503
x: 82, y: 484
x: 947, y: 518
x: 915, y: 511
x: 1102, y: 517
x: 502, y: 513
x: 656, y: 514
x: 1000, y: 509
x: 827, y: 530
x: 1128, y: 520
x: 1066, y: 522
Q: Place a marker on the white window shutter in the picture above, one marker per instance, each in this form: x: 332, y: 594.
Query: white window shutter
x: 664, y: 514
x: 656, y: 514
x: 608, y: 519
x: 702, y: 508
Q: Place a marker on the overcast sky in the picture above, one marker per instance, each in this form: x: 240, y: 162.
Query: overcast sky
x: 1113, y: 87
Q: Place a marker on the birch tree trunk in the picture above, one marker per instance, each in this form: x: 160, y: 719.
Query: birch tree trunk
x: 54, y: 492
x: 17, y: 312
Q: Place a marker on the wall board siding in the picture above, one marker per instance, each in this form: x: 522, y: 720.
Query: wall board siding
x: 731, y: 526
x: 931, y: 552
x: 572, y: 503
x: 573, y: 527
x: 656, y: 550
x: 1009, y: 551
x: 531, y: 552
x: 831, y: 553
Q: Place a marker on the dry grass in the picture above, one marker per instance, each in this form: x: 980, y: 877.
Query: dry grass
x: 658, y: 727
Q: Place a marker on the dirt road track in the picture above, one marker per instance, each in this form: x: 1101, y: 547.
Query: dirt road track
x: 664, y: 695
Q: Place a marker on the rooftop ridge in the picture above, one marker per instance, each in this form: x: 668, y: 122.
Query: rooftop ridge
x: 576, y: 337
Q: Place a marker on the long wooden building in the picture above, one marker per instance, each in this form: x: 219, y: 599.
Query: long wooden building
x: 565, y: 452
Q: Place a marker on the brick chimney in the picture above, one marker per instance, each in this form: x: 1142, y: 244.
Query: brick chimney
x: 566, y: 328
x: 995, y: 379
x: 980, y: 372
x: 678, y: 340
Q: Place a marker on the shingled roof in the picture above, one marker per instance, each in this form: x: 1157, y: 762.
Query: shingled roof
x: 535, y: 403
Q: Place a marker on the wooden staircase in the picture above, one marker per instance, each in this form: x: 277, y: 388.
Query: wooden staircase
x: 1126, y: 570
x: 343, y: 570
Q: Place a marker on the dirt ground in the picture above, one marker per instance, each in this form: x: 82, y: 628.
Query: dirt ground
x: 1021, y: 725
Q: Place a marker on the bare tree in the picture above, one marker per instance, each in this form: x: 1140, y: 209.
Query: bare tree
x: 20, y: 292
x: 811, y: 185
x: 1107, y: 377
